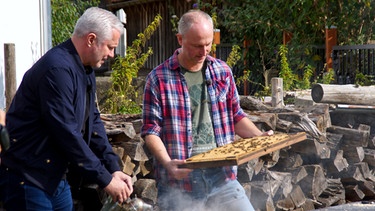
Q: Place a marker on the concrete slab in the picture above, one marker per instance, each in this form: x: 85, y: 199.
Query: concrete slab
x: 357, y: 206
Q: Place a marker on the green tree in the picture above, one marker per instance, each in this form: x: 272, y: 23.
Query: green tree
x: 263, y: 23
x: 123, y: 96
x: 65, y: 13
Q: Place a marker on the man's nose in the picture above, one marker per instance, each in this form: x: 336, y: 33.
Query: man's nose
x: 111, y: 53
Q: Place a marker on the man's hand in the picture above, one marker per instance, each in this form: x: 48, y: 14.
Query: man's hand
x: 120, y: 187
x: 268, y: 133
x: 175, y: 172
x: 2, y: 117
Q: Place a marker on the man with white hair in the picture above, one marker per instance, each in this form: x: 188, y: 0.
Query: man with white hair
x: 54, y: 125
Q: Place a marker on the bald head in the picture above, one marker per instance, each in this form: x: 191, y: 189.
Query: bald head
x: 193, y: 17
x: 195, y: 35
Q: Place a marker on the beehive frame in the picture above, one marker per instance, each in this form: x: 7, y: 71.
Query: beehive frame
x: 243, y: 150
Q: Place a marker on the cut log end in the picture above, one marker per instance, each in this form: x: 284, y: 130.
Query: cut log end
x: 317, y: 93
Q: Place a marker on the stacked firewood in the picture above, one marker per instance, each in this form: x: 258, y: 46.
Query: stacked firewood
x: 123, y: 132
x: 333, y: 166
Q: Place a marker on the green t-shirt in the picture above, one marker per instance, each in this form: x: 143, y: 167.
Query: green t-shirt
x: 203, y: 133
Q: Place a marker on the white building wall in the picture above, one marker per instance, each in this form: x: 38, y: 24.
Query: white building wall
x: 26, y: 24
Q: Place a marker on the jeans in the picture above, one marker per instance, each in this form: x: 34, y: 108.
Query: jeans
x: 17, y: 194
x: 210, y: 192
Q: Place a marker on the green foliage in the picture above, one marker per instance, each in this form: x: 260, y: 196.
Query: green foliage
x: 244, y: 78
x: 305, y: 83
x: 364, y: 80
x: 65, y: 13
x: 327, y: 77
x: 263, y: 23
x: 354, y: 20
x: 234, y: 56
x: 123, y: 96
x: 286, y: 73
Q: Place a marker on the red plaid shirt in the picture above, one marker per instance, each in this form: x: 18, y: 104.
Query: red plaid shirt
x: 167, y: 113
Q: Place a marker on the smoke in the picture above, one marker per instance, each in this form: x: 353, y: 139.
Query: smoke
x: 184, y: 202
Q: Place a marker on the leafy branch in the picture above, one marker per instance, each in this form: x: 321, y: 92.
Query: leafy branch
x: 123, y: 96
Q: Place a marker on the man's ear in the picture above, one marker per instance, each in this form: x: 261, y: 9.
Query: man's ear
x: 179, y: 38
x: 91, y: 37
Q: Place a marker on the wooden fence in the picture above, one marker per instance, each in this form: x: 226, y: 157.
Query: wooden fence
x: 350, y: 60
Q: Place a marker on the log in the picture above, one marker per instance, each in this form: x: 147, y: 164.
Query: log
x: 302, y: 124
x: 353, y: 193
x: 269, y: 204
x: 335, y: 166
x: 137, y: 124
x: 127, y: 165
x: 264, y: 121
x: 247, y: 170
x: 283, y: 125
x: 340, y: 162
x: 298, y: 174
x: 353, y: 154
x: 256, y: 195
x: 125, y: 133
x: 146, y: 189
x: 351, y: 175
x: 367, y: 187
x: 369, y: 157
x: 365, y: 170
x: 334, y: 140
x: 285, y: 204
x: 351, y: 118
x: 296, y: 199
x: 343, y: 94
x: 271, y: 159
x: 297, y: 195
x: 366, y: 130
x: 119, y: 128
x: 277, y: 92
x: 311, y: 151
x: 315, y: 182
x: 135, y: 150
x: 308, y: 205
x: 283, y: 180
x: 334, y: 194
x: 321, y: 109
x: 351, y: 137
x: 269, y: 184
x: 371, y: 143
x: 145, y: 168
x: 253, y: 104
x: 288, y: 160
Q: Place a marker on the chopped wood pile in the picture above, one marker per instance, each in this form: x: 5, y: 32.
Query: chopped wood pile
x: 333, y: 166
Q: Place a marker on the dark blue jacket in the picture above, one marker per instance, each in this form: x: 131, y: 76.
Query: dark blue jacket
x: 45, y: 123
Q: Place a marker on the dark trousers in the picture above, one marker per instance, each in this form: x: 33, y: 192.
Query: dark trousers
x: 18, y: 194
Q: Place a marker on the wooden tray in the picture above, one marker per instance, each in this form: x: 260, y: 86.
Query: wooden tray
x: 243, y: 150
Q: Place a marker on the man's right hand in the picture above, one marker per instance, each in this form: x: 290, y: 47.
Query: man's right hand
x: 176, y: 172
x: 120, y: 188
